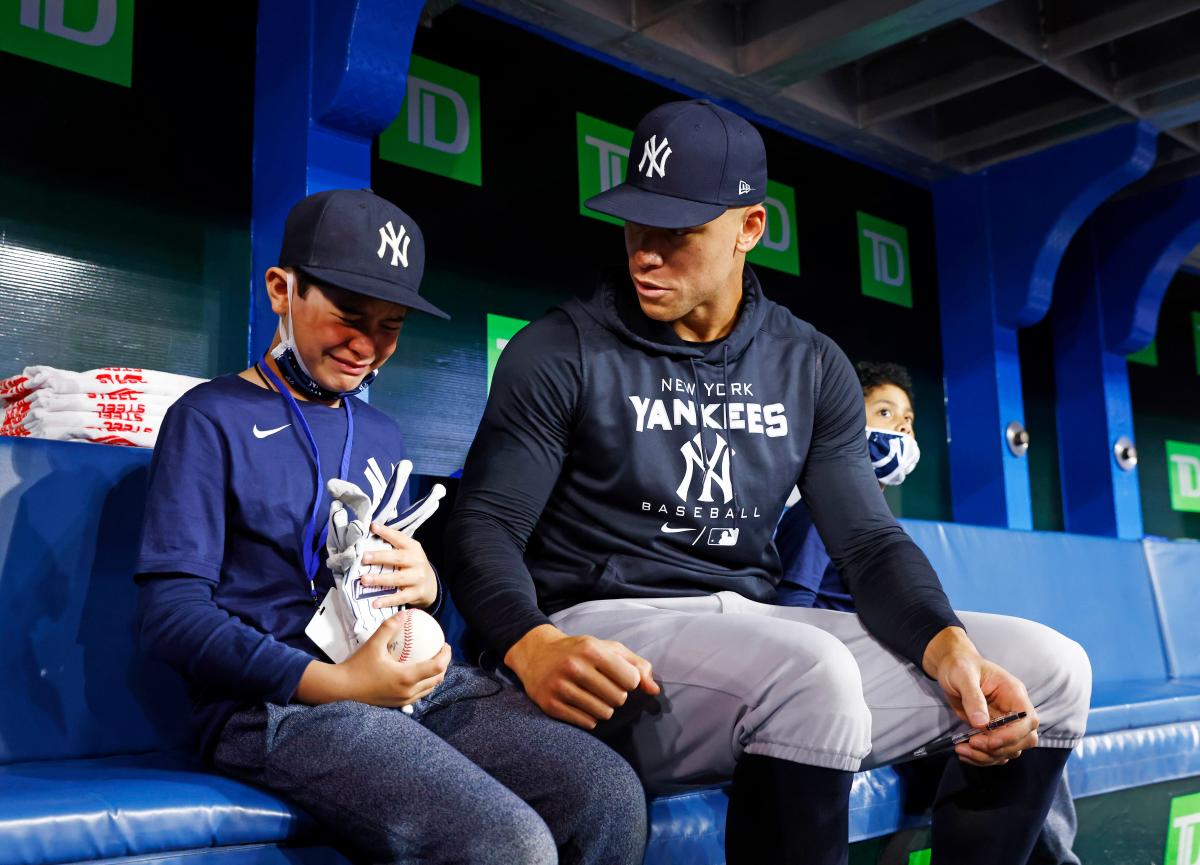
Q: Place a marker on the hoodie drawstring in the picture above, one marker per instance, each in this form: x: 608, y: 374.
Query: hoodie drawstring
x: 737, y: 508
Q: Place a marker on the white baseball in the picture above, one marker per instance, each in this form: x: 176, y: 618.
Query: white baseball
x: 420, y: 637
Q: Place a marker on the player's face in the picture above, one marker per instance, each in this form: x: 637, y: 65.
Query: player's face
x: 888, y: 408
x: 342, y: 336
x: 682, y: 272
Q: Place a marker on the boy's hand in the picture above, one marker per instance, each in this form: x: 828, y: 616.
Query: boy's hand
x: 580, y: 680
x: 412, y: 575
x: 371, y: 675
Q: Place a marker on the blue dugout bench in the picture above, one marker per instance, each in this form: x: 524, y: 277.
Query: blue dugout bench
x: 94, y: 758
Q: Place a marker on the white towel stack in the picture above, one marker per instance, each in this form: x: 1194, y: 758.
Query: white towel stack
x: 111, y: 405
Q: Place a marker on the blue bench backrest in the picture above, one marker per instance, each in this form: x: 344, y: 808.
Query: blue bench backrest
x: 1095, y: 590
x: 1175, y: 572
x: 70, y: 517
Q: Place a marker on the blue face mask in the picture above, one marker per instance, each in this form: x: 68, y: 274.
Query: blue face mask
x: 294, y: 372
x: 893, y: 455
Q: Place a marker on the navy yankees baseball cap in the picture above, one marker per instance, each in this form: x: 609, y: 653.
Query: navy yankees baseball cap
x: 690, y: 162
x: 355, y: 240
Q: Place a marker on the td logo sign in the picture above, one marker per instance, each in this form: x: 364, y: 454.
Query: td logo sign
x: 1183, y: 831
x: 883, y: 260
x: 500, y: 329
x: 603, y: 153
x: 602, y: 149
x: 1183, y: 466
x: 438, y: 127
x: 91, y: 37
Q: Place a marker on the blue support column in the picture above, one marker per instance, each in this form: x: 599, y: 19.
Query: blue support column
x: 1109, y: 294
x: 330, y: 76
x: 1001, y: 235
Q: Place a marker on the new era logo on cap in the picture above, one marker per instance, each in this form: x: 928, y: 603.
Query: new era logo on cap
x: 716, y: 161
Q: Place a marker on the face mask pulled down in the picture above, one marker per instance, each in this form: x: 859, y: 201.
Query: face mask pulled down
x: 295, y: 373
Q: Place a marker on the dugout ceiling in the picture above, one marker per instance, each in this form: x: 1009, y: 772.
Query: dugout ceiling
x: 928, y: 87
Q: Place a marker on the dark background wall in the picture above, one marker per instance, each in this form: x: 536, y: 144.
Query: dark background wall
x: 125, y: 212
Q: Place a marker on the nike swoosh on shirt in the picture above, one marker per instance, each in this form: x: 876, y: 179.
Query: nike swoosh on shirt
x: 671, y: 531
x: 263, y: 433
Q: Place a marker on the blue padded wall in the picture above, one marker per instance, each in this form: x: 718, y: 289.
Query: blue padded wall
x: 1094, y: 590
x: 70, y: 519
x: 1175, y: 572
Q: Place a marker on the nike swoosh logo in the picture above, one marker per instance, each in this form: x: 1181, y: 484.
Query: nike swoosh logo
x: 263, y: 433
x: 671, y: 531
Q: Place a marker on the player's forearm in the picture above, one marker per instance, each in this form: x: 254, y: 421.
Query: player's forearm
x: 490, y: 582
x: 900, y: 599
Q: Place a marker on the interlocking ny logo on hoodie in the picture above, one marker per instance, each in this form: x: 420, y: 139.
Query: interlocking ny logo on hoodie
x: 707, y: 460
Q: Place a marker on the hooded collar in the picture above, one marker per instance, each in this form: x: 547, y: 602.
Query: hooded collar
x: 614, y: 304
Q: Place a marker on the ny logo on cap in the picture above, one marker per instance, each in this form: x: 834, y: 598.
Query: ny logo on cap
x: 657, y: 154
x: 398, y: 241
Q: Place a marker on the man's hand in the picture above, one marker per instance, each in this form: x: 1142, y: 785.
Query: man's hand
x: 371, y: 675
x: 979, y: 690
x: 580, y: 680
x: 412, y: 575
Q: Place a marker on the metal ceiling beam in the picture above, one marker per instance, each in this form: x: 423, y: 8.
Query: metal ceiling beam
x: 1155, y: 78
x: 976, y: 74
x: 1090, y: 124
x: 1130, y: 17
x: 647, y: 13
x: 1014, y: 24
x: 1038, y: 117
x: 783, y: 50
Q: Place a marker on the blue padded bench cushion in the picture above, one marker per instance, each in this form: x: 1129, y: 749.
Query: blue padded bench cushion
x: 1133, y: 758
x: 1124, y: 705
x: 109, y: 807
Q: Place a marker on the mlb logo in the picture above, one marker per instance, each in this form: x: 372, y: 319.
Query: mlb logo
x: 723, y: 536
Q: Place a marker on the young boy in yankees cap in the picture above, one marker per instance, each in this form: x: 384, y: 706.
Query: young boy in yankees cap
x: 615, y: 521
x: 231, y: 570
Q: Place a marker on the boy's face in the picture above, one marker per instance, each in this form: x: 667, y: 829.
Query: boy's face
x: 888, y: 408
x: 341, y: 336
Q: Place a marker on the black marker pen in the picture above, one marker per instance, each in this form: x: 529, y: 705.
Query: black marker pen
x: 947, y: 742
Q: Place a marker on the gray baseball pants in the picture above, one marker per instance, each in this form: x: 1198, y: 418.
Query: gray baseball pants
x: 477, y: 774
x: 804, y: 685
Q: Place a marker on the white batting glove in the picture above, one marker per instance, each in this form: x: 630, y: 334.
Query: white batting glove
x: 349, y: 538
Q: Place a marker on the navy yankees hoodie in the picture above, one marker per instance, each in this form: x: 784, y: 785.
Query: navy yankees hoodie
x: 615, y: 460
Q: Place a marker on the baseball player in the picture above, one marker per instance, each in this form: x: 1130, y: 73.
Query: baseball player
x: 231, y: 573
x: 614, y: 527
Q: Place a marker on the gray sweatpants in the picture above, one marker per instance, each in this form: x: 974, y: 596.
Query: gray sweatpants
x: 809, y: 686
x: 477, y: 774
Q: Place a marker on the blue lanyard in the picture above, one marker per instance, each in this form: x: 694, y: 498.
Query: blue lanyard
x: 312, y: 558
